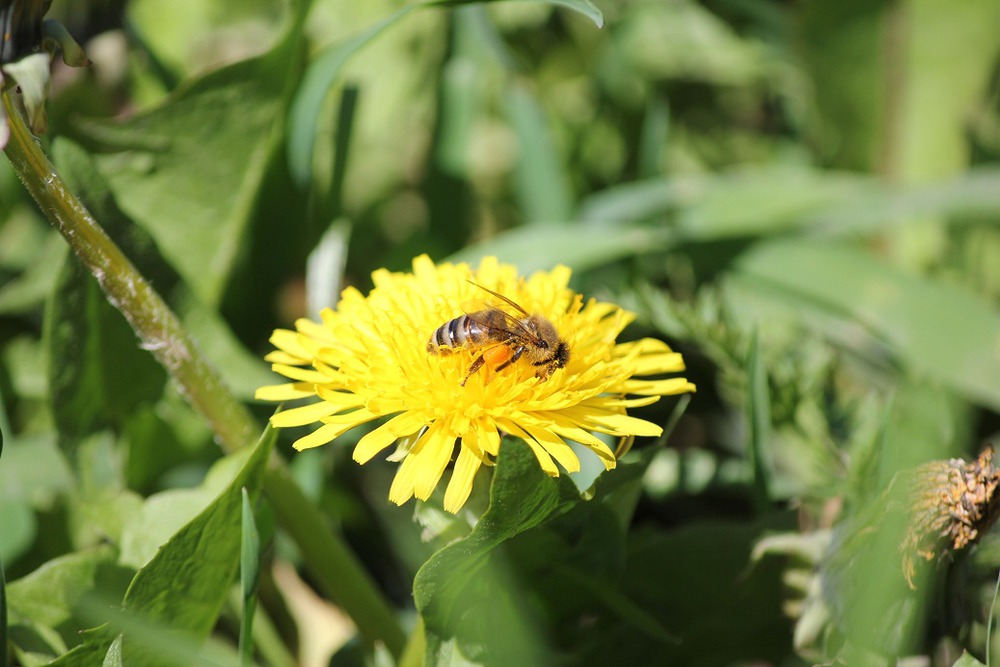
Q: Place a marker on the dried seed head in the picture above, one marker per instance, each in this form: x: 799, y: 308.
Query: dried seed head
x: 953, y: 504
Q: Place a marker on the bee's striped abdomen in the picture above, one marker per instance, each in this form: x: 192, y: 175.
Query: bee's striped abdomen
x: 458, y: 332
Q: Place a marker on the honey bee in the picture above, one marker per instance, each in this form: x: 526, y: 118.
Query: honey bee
x: 502, y: 339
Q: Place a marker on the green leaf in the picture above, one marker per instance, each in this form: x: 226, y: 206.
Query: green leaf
x: 30, y: 289
x: 541, y: 183
x: 197, y: 564
x: 584, y: 7
x: 240, y: 370
x: 695, y: 583
x: 18, y: 528
x: 189, y: 171
x: 934, y: 329
x: 181, y: 590
x: 578, y: 247
x: 34, y: 469
x: 249, y: 578
x: 732, y: 204
x: 467, y: 590
x: 966, y: 660
x: 304, y: 114
x: 52, y: 594
x: 113, y: 658
x: 759, y: 409
x: 97, y: 372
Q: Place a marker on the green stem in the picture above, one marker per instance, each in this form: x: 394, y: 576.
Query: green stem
x: 152, y: 320
x: 161, y: 332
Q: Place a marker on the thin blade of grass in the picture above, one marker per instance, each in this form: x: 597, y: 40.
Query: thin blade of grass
x: 759, y: 417
x: 249, y: 579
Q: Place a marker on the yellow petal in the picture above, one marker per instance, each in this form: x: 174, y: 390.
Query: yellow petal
x: 284, y: 392
x: 307, y: 414
x: 656, y: 387
x: 434, y: 456
x: 402, y: 484
x: 544, y: 459
x: 462, y: 477
x: 320, y: 436
x: 288, y: 342
x: 300, y: 374
x: 555, y: 446
x: 279, y: 357
x: 399, y: 426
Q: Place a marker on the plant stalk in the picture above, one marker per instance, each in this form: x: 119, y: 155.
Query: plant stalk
x: 340, y: 574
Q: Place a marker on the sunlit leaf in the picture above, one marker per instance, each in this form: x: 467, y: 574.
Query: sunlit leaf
x: 182, y: 589
x: 581, y: 248
x: 466, y: 590
x: 932, y: 328
x: 189, y: 170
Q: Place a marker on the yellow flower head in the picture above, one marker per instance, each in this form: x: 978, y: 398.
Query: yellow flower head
x: 370, y: 359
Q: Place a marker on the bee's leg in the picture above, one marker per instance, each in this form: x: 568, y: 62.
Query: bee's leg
x: 476, y: 365
x: 513, y: 358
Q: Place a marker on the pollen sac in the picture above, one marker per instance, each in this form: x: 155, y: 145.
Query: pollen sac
x: 953, y: 503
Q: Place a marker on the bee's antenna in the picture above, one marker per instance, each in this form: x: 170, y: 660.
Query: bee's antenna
x: 500, y: 296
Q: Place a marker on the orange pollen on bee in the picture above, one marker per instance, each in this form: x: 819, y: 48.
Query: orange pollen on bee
x: 498, y: 354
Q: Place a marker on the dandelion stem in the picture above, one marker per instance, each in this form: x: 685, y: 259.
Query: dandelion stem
x: 157, y: 327
x: 161, y: 332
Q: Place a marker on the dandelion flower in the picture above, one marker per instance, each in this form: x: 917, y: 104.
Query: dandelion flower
x: 368, y: 360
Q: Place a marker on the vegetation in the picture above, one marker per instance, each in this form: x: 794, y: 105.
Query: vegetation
x: 801, y: 198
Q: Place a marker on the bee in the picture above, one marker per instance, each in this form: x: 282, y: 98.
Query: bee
x: 502, y: 339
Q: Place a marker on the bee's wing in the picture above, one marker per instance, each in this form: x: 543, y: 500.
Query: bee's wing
x: 490, y: 317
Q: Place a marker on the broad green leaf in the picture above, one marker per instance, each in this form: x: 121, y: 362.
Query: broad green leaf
x: 695, y: 582
x: 249, y: 577
x: 51, y: 595
x: 198, y: 562
x: 240, y: 370
x: 113, y: 658
x: 18, y: 528
x: 181, y: 590
x: 734, y: 204
x: 163, y: 514
x: 467, y: 590
x: 972, y: 194
x: 966, y: 660
x: 541, y: 184
x: 97, y: 372
x: 934, y: 329
x: 189, y: 171
x: 949, y: 50
x: 579, y: 247
x: 30, y: 289
x: 175, y: 31
x: 34, y: 469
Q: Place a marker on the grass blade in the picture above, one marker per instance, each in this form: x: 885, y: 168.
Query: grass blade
x: 759, y: 417
x: 249, y: 579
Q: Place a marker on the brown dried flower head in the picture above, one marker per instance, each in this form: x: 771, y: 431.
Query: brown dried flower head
x: 953, y: 504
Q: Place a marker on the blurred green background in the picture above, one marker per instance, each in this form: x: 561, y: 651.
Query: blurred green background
x: 803, y: 198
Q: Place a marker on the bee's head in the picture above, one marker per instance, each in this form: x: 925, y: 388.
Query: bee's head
x: 561, y: 356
